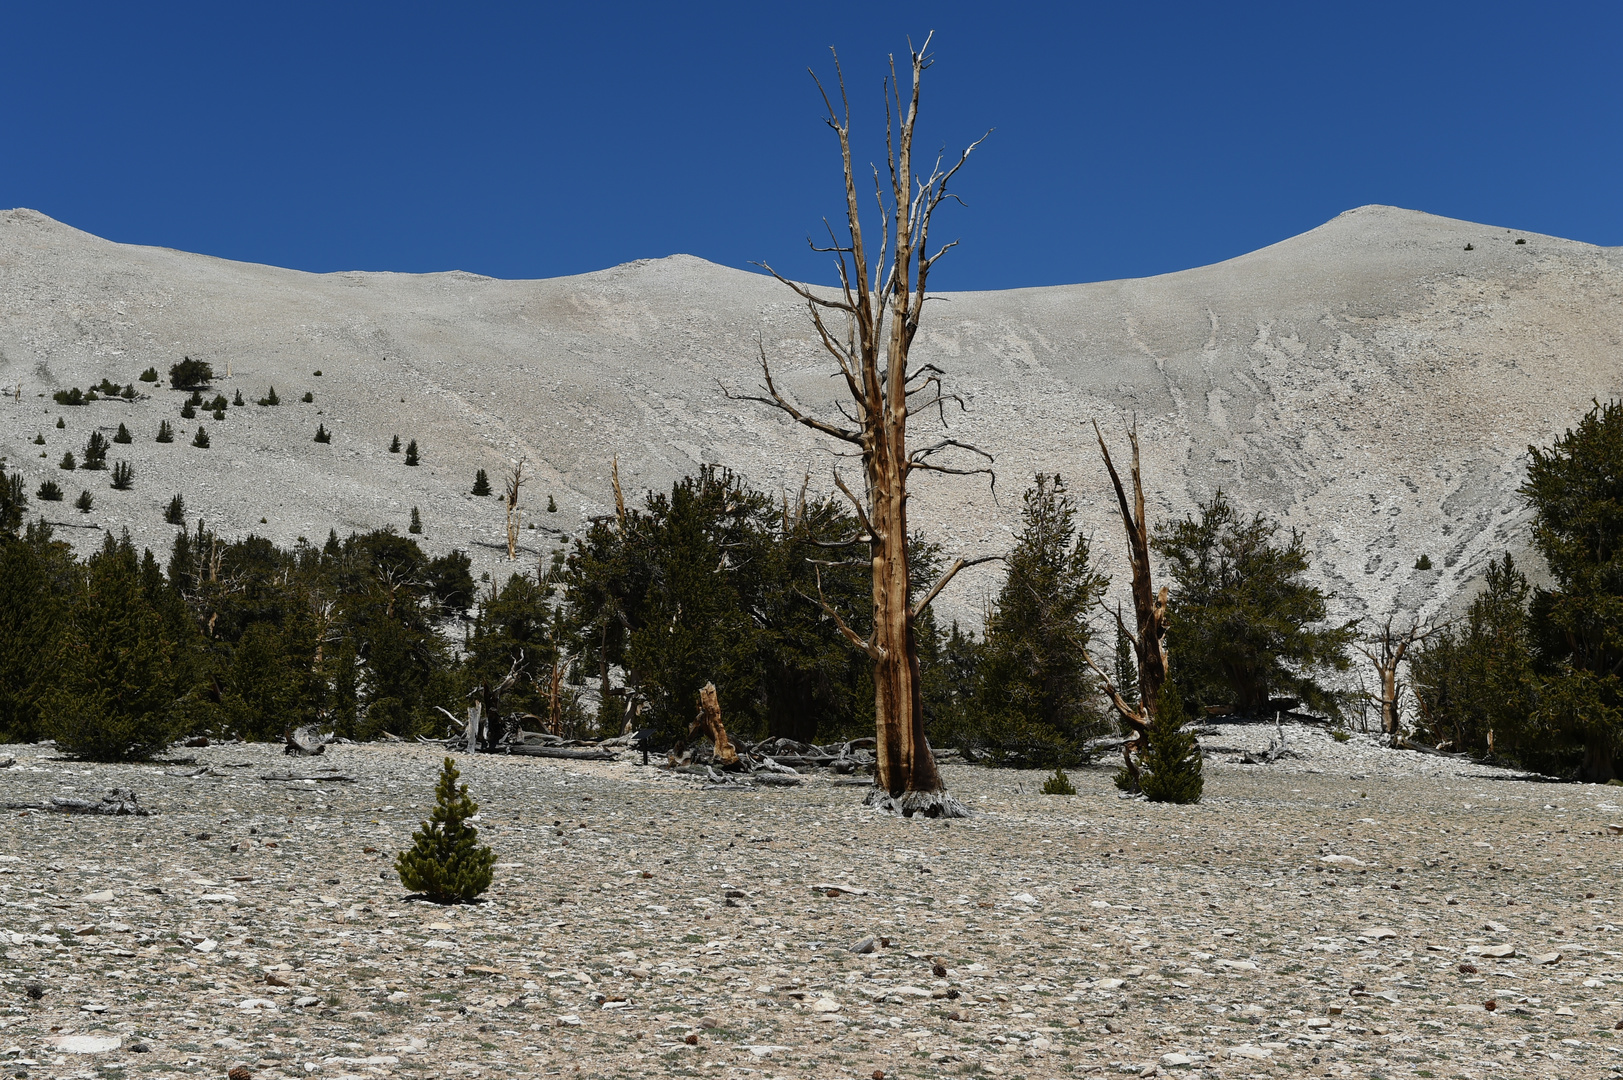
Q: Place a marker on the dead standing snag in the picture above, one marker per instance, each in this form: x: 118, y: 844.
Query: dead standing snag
x: 1149, y: 633
x: 880, y: 300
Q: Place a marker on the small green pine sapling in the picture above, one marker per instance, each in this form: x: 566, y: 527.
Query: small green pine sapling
x: 271, y: 398
x: 60, y: 423
x: 175, y: 512
x: 68, y: 462
x: 1173, y: 759
x: 84, y: 502
x: 39, y: 439
x: 394, y: 445
x: 196, y: 399
x: 1058, y: 784
x: 123, y: 476
x: 416, y: 525
x: 218, y: 403
x: 552, y: 505
x: 318, y: 373
x: 201, y: 439
x: 308, y: 397
x: 165, y: 432
x: 128, y: 393
x: 411, y: 452
x: 238, y: 399
x: 188, y: 411
x: 1423, y: 563
x: 322, y: 434
x: 122, y: 435
x: 445, y: 863
x: 481, y: 482
x: 49, y: 491
x: 149, y: 375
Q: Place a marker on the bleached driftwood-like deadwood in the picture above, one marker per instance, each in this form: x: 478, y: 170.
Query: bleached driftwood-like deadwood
x: 306, y: 741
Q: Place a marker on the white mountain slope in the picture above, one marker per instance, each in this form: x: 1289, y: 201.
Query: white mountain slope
x: 1370, y: 383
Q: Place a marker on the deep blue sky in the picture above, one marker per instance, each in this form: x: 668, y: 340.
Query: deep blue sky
x: 530, y: 140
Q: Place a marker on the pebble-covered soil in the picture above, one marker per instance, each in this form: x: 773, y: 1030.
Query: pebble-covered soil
x: 1350, y: 912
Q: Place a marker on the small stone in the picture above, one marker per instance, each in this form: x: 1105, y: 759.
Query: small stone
x: 1593, y: 984
x: 304, y: 1001
x: 1174, y: 1059
x: 256, y: 1004
x: 1499, y: 952
x: 1497, y: 928
x: 865, y: 946
x: 206, y: 945
x: 86, y: 1044
x: 1316, y: 1022
x: 103, y: 897
x: 1380, y: 933
x: 1247, y: 1050
x: 569, y: 1021
x: 825, y: 1005
x: 1024, y: 898
x: 1547, y: 958
x: 217, y: 898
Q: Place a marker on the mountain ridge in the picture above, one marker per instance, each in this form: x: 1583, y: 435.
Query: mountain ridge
x: 1368, y: 381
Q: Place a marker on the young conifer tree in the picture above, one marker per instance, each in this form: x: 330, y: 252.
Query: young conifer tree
x: 1173, y: 759
x: 445, y: 862
x: 481, y: 483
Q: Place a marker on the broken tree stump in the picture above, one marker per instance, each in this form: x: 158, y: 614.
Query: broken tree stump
x: 708, y: 722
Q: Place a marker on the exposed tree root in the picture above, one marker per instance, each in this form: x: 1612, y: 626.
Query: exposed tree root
x: 930, y: 804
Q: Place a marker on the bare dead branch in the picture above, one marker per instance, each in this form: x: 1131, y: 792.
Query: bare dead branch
x: 951, y: 572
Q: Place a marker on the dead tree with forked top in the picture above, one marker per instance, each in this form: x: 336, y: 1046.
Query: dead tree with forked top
x: 879, y: 302
x: 1149, y: 631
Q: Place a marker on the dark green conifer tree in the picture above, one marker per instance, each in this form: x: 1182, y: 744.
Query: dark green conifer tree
x: 116, y: 689
x: 1172, y: 765
x: 445, y: 863
x: 411, y: 452
x: 1037, y: 694
x: 481, y: 483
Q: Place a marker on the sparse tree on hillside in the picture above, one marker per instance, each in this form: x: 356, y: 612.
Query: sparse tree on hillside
x: 881, y: 301
x: 481, y: 483
x: 190, y: 374
x: 515, y: 481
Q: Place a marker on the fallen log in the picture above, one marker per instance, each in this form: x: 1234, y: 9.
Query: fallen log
x: 119, y: 802
x: 772, y: 779
x: 568, y: 753
x: 1410, y: 744
x: 289, y: 777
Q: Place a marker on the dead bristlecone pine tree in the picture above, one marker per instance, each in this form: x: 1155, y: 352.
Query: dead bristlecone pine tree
x: 445, y: 862
x: 867, y: 327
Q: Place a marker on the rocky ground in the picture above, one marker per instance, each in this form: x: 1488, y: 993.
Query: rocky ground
x: 1352, y: 911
